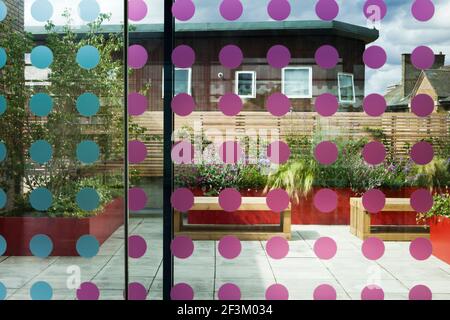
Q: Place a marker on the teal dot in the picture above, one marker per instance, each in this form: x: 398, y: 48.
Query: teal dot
x: 88, y: 151
x: 88, y: 199
x: 41, y: 151
x: 41, y: 199
x: 3, y: 291
x: 41, y: 57
x: 41, y: 290
x: 3, y: 57
x: 3, y: 151
x: 89, y: 10
x: 3, y: 105
x: 3, y: 199
x: 41, y: 104
x: 87, y: 246
x: 42, y: 10
x: 41, y: 246
x: 88, y: 57
x: 3, y: 246
x: 88, y: 104
x: 3, y: 13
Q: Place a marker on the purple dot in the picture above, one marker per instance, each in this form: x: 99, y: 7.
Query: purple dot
x: 325, y: 200
x: 374, y: 57
x: 421, y: 200
x: 327, y: 9
x: 137, y: 247
x: 182, y: 291
x: 326, y: 152
x: 277, y: 247
x: 231, y: 56
x: 375, y: 10
x: 230, y: 247
x: 421, y: 249
x: 182, y: 247
x: 374, y: 153
x: 137, y: 56
x: 325, y: 248
x: 230, y: 199
x: 279, y: 9
x: 229, y: 291
x: 137, y: 199
x: 278, y: 152
x: 137, y: 151
x: 326, y: 105
x: 372, y: 292
x: 327, y: 57
x: 183, y: 152
x: 422, y: 105
x: 182, y: 199
x: 422, y: 153
x: 420, y: 292
x: 374, y: 105
x: 137, y: 10
x: 277, y: 292
x: 373, y: 200
x: 137, y: 104
x: 230, y: 152
x: 277, y: 200
x: 279, y: 56
x: 183, y: 10
x: 183, y: 104
x: 373, y: 248
x: 230, y: 104
x: 423, y: 10
x: 278, y: 104
x: 325, y: 292
x: 231, y: 10
x: 183, y: 56
x: 88, y: 291
x: 422, y: 57
x: 136, y: 291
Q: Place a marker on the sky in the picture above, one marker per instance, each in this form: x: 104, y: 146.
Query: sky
x: 399, y: 31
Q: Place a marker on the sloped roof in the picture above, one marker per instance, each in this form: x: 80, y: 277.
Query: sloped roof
x: 394, y: 98
x: 440, y: 80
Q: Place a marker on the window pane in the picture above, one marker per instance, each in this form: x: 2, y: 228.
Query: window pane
x: 245, y: 84
x: 181, y: 81
x: 346, y: 87
x: 296, y: 82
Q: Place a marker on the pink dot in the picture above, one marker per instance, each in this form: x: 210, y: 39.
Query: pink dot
x: 372, y: 292
x: 278, y: 152
x: 182, y: 291
x: 137, y: 10
x: 325, y: 292
x: 325, y: 248
x: 137, y: 151
x: 279, y: 9
x: 277, y: 247
x: 183, y: 104
x: 422, y: 153
x: 422, y: 105
x: 277, y: 200
x: 327, y: 57
x: 183, y: 10
x: 373, y: 200
x: 422, y: 57
x: 327, y: 9
x: 231, y: 56
x: 230, y: 247
x: 420, y: 292
x: 374, y: 105
x: 229, y: 291
x: 230, y: 199
x: 137, y: 199
x: 421, y: 200
x: 375, y: 10
x: 325, y: 200
x: 137, y: 104
x: 326, y: 152
x: 277, y: 292
x: 183, y: 152
x: 373, y: 248
x: 423, y: 10
x: 182, y: 247
x: 88, y: 291
x: 374, y: 153
x: 231, y: 10
x: 137, y: 56
x: 230, y: 104
x: 230, y: 152
x: 183, y: 56
x: 326, y: 105
x: 278, y: 56
x: 421, y: 249
x: 182, y: 199
x: 137, y: 247
x: 137, y: 292
x: 278, y: 104
x: 374, y: 57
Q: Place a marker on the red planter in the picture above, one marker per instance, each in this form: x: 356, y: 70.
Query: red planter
x: 64, y: 232
x: 440, y: 237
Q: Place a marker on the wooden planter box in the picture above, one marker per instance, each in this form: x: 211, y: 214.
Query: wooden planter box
x: 64, y: 232
x: 440, y: 237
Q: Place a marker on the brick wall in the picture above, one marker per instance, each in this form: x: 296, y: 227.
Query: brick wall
x: 15, y: 13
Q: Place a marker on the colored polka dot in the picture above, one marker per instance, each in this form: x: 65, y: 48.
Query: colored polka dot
x: 372, y: 292
x: 137, y: 10
x: 183, y: 56
x: 88, y: 199
x: 325, y: 200
x: 230, y: 152
x: 88, y: 10
x: 3, y: 57
x: 375, y: 10
x: 3, y: 199
x: 325, y: 248
x: 230, y: 247
x: 277, y: 200
x: 373, y: 248
x: 421, y: 249
x: 327, y: 57
x: 88, y: 152
x: 3, y: 290
x: 279, y: 9
x: 3, y: 243
x: 277, y: 247
x: 423, y: 10
x: 137, y: 151
x: 277, y: 292
x: 374, y: 153
x: 41, y: 151
x: 137, y: 104
x: 3, y: 105
x: 3, y: 151
x: 182, y: 199
x: 88, y: 291
x: 41, y: 246
x: 421, y: 200
x: 182, y: 247
x: 420, y: 292
x: 182, y: 291
x: 88, y: 57
x: 326, y: 153
x: 324, y: 292
x: 41, y: 104
x: 374, y: 105
x: 422, y: 57
x: 278, y: 152
x: 41, y: 57
x: 183, y: 10
x: 41, y: 10
x: 278, y: 104
x: 374, y: 57
x: 41, y: 290
x: 327, y: 9
x: 230, y: 199
x: 3, y: 14
x: 231, y: 10
x: 279, y: 56
x: 231, y: 56
x: 137, y: 199
x: 326, y: 104
x: 422, y: 105
x: 136, y: 292
x: 41, y: 199
x: 229, y: 291
x: 422, y: 153
x: 230, y: 104
x: 87, y: 246
x: 373, y: 200
x: 137, y: 56
x: 183, y: 104
x: 137, y: 247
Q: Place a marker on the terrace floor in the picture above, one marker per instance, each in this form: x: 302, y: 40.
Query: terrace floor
x: 253, y: 271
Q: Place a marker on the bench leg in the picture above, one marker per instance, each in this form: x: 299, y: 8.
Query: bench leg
x: 286, y: 223
x: 177, y: 221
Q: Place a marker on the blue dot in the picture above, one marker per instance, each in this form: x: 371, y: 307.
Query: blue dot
x: 88, y: 199
x: 3, y: 199
x: 87, y: 246
x: 41, y: 104
x: 41, y: 57
x: 41, y: 199
x: 3, y: 57
x: 3, y: 246
x: 41, y: 151
x: 42, y: 10
x: 88, y: 57
x: 89, y: 10
x: 41, y: 246
x: 3, y: 291
x: 3, y: 13
x: 88, y: 104
x: 41, y: 290
x: 3, y: 151
x: 88, y: 151
x: 3, y: 105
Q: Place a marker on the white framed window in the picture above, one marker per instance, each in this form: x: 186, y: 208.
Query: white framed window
x: 182, y: 83
x: 245, y: 84
x: 296, y: 82
x: 346, y: 88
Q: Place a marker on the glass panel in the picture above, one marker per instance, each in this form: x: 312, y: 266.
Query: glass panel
x: 182, y: 81
x: 246, y: 84
x: 297, y: 83
x: 346, y: 88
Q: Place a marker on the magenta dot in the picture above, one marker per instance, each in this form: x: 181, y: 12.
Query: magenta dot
x: 137, y: 151
x: 375, y: 10
x: 325, y: 200
x: 88, y: 291
x: 183, y: 104
x: 372, y: 292
x: 182, y: 247
x: 182, y: 199
x: 137, y: 104
x: 422, y: 57
x: 374, y: 105
x: 374, y: 153
x: 183, y: 56
x: 278, y: 152
x: 325, y: 292
x: 373, y: 248
x: 421, y: 249
x: 182, y: 291
x: 327, y: 57
x: 231, y: 10
x: 374, y: 57
x: 422, y: 153
x: 183, y: 10
x: 137, y: 247
x: 230, y: 104
x: 137, y: 199
x: 277, y: 200
x: 137, y: 10
x: 231, y: 56
x: 420, y: 292
x: 278, y: 104
x: 326, y: 105
x: 279, y: 56
x: 279, y: 9
x: 229, y: 291
x: 137, y: 56
x: 327, y: 9
x: 230, y: 247
x: 421, y: 200
x: 422, y: 105
x: 423, y: 10
x: 326, y: 152
x: 373, y: 200
x: 230, y: 152
x: 325, y: 248
x: 277, y: 292
x: 230, y: 199
x: 136, y: 291
x: 277, y: 247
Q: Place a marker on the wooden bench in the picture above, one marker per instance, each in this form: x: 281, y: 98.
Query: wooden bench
x: 243, y: 232
x: 360, y: 222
